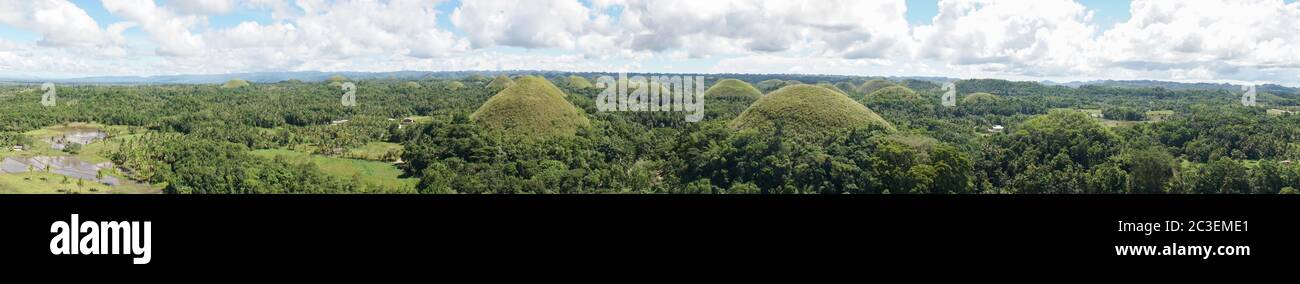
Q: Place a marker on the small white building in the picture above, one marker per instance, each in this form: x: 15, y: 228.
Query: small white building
x: 17, y: 148
x: 997, y: 128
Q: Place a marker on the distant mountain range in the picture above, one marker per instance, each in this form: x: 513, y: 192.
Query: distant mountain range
x: 315, y: 76
x: 1266, y: 88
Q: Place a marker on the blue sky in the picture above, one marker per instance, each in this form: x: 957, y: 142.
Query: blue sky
x: 1012, y: 39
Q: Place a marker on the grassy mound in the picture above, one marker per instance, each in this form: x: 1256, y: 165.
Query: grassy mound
x: 846, y: 86
x: 727, y: 88
x: 454, y: 85
x: 807, y: 112
x: 770, y: 85
x: 979, y: 98
x: 412, y: 85
x: 337, y: 79
x: 531, y: 108
x: 728, y: 98
x: 894, y: 93
x: 874, y: 85
x: 234, y: 83
x: 500, y: 83
x: 828, y: 85
x: 578, y: 82
x: 919, y: 84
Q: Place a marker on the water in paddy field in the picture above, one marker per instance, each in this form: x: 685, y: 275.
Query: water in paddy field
x: 66, y: 166
x: 80, y: 137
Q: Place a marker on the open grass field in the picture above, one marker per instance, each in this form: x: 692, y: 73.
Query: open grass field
x: 1118, y: 123
x: 375, y: 151
x: 1152, y: 116
x: 1159, y: 115
x: 1283, y: 111
x: 71, y: 127
x: 372, y: 173
x: 421, y: 119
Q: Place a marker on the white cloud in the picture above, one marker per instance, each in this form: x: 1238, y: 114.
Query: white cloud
x: 530, y: 24
x: 253, y: 34
x: 849, y: 29
x: 776, y: 64
x: 169, y: 30
x: 349, y: 28
x: 1208, y: 39
x: 333, y: 35
x: 59, y: 23
x: 1050, y: 37
x: 205, y: 7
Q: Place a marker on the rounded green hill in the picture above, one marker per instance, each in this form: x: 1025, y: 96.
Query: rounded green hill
x: 807, y: 112
x: 728, y: 98
x: 501, y: 82
x: 770, y: 84
x: 578, y: 82
x: 846, y: 86
x: 454, y: 85
x: 894, y: 93
x: 531, y: 108
x: 234, y: 83
x: 729, y: 88
x: 874, y: 85
x: 828, y: 85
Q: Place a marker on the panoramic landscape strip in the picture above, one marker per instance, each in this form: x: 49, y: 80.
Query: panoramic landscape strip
x: 546, y: 132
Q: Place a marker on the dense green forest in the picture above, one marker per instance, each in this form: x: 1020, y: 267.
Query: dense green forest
x: 781, y: 134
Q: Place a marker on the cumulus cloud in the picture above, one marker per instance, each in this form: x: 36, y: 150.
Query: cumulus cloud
x: 780, y: 64
x: 848, y: 29
x: 531, y: 23
x: 59, y: 23
x: 348, y: 28
x: 1042, y: 36
x: 309, y: 34
x: 169, y: 30
x: 1206, y: 39
x: 205, y: 7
